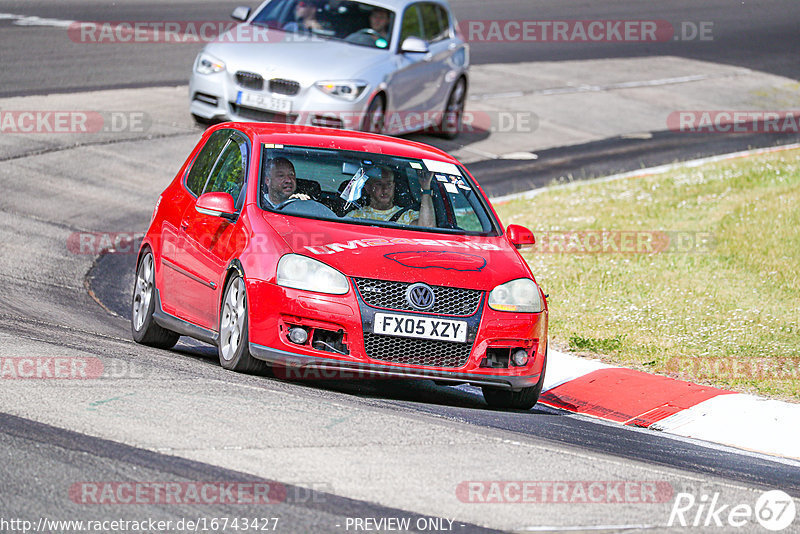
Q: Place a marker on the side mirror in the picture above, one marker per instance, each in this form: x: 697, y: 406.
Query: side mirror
x: 414, y: 45
x: 241, y: 13
x: 518, y: 235
x: 216, y: 205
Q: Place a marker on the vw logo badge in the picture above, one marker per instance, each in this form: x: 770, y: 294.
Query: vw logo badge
x: 420, y: 296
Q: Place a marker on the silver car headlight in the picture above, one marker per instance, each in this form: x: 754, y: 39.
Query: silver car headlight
x: 301, y: 272
x: 344, y: 89
x: 208, y: 64
x: 521, y: 295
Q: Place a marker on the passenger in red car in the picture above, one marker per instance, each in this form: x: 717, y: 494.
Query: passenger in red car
x: 380, y: 192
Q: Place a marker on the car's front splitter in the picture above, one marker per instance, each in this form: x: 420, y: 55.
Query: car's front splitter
x: 301, y: 366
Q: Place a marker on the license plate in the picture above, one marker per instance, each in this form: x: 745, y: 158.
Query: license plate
x: 420, y: 327
x: 267, y: 103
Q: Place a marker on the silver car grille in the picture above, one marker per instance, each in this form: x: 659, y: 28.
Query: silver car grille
x: 250, y: 80
x: 284, y: 87
x: 392, y: 295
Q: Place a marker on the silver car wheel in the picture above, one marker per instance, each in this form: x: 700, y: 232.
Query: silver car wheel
x: 451, y: 123
x: 374, y: 121
x: 234, y: 313
x: 143, y: 292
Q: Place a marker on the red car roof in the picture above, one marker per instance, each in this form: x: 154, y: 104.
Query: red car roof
x: 313, y: 136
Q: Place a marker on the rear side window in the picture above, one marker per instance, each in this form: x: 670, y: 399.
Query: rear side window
x: 204, y: 162
x: 435, y: 22
x: 411, y: 24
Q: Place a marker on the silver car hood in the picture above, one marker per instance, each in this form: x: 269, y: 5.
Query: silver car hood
x: 295, y: 57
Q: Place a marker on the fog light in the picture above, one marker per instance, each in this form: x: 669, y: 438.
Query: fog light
x: 298, y: 335
x: 519, y: 357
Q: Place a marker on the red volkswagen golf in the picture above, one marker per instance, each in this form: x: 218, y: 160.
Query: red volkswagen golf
x: 313, y: 248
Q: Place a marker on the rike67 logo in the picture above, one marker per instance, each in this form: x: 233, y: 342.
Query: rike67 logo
x: 774, y: 510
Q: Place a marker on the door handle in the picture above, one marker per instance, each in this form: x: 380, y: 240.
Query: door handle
x: 184, y: 224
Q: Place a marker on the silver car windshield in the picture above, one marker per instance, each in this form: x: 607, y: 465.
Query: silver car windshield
x: 354, y: 22
x: 375, y: 189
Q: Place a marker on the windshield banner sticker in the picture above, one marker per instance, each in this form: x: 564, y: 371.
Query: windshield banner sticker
x: 332, y: 248
x: 441, y: 166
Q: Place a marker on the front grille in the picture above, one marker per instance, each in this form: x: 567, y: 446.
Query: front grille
x: 392, y: 296
x: 284, y: 87
x: 262, y: 116
x: 431, y: 353
x: 250, y: 80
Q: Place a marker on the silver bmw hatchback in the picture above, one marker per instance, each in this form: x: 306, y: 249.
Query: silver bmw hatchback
x: 388, y: 66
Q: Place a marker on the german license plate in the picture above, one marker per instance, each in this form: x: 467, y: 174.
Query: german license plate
x: 261, y: 101
x: 420, y: 327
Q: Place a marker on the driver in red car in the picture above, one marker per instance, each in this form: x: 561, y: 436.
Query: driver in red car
x: 380, y: 207
x: 281, y: 183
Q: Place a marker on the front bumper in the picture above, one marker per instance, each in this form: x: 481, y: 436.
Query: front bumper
x: 214, y: 97
x: 274, y: 308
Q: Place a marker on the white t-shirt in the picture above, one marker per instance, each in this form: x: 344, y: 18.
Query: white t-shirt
x: 368, y: 212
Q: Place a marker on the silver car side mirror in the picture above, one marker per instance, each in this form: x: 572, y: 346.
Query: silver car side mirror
x: 414, y: 45
x: 241, y: 13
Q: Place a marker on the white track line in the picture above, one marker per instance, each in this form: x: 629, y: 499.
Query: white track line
x: 661, y: 169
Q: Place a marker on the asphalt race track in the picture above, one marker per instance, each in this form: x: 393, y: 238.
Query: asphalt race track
x: 330, y: 451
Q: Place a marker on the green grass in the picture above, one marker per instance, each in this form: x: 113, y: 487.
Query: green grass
x: 721, y: 305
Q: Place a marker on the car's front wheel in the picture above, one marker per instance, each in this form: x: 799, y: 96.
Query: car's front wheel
x: 143, y: 326
x: 524, y: 399
x: 233, y: 348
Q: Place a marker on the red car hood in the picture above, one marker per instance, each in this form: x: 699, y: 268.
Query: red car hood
x: 403, y: 255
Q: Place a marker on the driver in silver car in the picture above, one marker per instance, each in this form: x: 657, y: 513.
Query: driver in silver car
x: 379, y: 21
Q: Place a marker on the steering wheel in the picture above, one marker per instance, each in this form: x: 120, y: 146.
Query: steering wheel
x: 360, y: 36
x: 286, y: 203
x: 370, y: 32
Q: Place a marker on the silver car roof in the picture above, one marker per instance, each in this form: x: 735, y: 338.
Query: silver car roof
x: 393, y: 5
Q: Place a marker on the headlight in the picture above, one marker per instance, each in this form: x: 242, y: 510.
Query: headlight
x: 346, y: 90
x: 521, y: 295
x: 208, y: 64
x: 301, y: 272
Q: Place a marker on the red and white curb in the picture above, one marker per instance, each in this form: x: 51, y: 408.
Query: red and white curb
x: 635, y: 398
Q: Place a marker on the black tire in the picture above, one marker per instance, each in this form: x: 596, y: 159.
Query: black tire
x: 233, y: 346
x: 524, y: 399
x: 375, y: 120
x: 450, y: 126
x: 143, y: 303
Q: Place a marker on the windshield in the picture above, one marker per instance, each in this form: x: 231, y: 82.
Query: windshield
x: 354, y: 22
x: 375, y: 189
